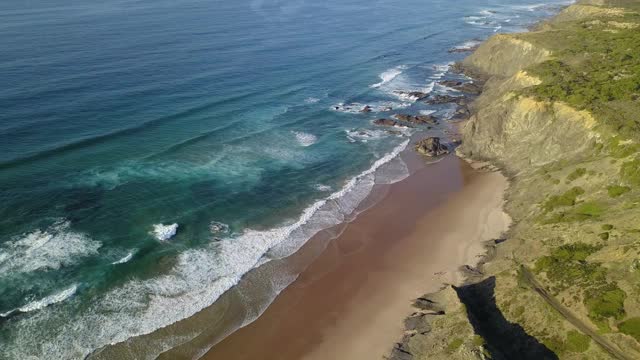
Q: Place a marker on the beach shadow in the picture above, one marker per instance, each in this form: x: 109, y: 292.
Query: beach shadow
x: 504, y: 340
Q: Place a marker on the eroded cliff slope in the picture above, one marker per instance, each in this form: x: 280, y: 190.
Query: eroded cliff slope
x: 560, y: 113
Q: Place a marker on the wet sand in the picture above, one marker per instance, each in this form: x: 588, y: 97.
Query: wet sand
x: 351, y: 301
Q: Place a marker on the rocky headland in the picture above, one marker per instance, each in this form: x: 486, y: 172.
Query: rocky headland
x: 558, y: 114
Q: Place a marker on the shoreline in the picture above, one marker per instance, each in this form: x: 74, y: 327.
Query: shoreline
x: 439, y: 219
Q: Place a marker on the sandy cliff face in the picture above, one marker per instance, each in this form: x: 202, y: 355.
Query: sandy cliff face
x: 504, y: 55
x: 515, y: 131
x: 521, y: 133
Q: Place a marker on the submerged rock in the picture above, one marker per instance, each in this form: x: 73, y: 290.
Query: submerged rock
x: 432, y: 147
x: 366, y: 109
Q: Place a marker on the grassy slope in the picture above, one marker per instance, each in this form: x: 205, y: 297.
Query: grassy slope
x: 578, y: 221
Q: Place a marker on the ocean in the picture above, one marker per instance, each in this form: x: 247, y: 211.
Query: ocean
x: 154, y: 152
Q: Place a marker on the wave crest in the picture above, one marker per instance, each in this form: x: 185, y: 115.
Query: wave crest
x: 50, y: 249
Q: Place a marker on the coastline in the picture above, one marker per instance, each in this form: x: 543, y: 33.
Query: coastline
x: 438, y: 220
x: 345, y: 322
x: 521, y: 241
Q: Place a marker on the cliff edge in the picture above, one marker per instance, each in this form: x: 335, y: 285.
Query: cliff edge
x: 559, y: 115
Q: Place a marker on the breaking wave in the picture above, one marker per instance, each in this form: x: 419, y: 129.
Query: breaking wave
x: 389, y: 75
x: 44, y: 302
x: 48, y: 249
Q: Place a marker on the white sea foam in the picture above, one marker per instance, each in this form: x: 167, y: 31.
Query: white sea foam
x: 407, y: 96
x: 45, y: 301
x: 467, y: 45
x: 376, y: 107
x: 311, y: 100
x: 365, y: 135
x: 164, y: 232
x: 389, y: 75
x: 440, y: 70
x: 392, y: 172
x: 305, y: 139
x: 124, y: 259
x: 321, y: 187
x: 50, y: 249
x: 199, y: 277
x: 50, y: 300
x: 427, y: 112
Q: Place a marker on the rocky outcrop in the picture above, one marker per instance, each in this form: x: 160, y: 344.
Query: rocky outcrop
x: 385, y: 122
x: 446, y: 99
x: 412, y: 95
x: 432, y: 147
x: 466, y: 87
x: 422, y: 338
x: 417, y: 119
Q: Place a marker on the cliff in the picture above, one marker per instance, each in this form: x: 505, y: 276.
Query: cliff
x: 559, y: 115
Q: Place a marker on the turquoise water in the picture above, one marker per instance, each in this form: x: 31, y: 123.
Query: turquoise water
x: 234, y: 124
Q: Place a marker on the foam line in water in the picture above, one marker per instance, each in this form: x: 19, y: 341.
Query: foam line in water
x: 389, y: 75
x: 124, y: 259
x: 45, y: 301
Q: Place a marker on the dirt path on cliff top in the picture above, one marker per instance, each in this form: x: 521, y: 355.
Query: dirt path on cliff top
x: 568, y: 315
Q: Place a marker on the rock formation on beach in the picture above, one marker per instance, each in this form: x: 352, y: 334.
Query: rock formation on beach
x: 431, y: 147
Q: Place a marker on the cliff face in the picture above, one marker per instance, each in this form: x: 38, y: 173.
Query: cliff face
x: 504, y: 55
x: 521, y: 133
x: 515, y: 131
x: 559, y: 114
x: 569, y: 190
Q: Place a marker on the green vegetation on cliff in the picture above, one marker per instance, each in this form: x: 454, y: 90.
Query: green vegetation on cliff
x: 595, y: 67
x: 565, y: 124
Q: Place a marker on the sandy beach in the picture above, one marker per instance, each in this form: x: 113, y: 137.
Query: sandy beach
x: 350, y: 302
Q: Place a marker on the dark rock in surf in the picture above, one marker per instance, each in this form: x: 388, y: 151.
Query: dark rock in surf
x: 412, y: 95
x: 385, y: 122
x: 445, y: 99
x: 450, y: 83
x: 469, y: 88
x: 419, y: 119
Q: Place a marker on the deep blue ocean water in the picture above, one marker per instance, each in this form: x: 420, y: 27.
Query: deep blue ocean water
x: 152, y: 152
